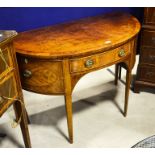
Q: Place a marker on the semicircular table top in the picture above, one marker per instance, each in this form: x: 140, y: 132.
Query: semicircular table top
x: 81, y: 37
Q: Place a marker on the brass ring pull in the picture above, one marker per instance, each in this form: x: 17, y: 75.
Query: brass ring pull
x: 27, y: 74
x: 89, y: 63
x: 121, y: 53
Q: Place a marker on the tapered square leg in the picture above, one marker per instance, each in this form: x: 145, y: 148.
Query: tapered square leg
x: 68, y: 98
x: 127, y: 88
x: 116, y: 73
x: 28, y: 119
x: 68, y: 102
x: 120, y: 72
x: 24, y: 123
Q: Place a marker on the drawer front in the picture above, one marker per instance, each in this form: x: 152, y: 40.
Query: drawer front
x: 148, y: 38
x: 147, y: 73
x: 41, y: 76
x: 99, y: 60
x: 147, y: 55
x: 8, y: 89
x: 149, y: 16
x: 5, y: 59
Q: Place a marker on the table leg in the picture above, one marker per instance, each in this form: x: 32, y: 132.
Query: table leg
x: 68, y: 102
x: 23, y: 124
x: 68, y: 98
x: 116, y: 73
x: 120, y: 72
x: 127, y: 88
x: 28, y: 119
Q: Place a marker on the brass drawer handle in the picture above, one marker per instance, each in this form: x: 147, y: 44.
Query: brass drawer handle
x: 121, y: 53
x: 89, y: 63
x: 27, y: 73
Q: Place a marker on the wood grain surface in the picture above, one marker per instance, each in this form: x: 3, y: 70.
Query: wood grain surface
x: 145, y: 77
x: 46, y: 76
x: 82, y: 37
x: 10, y: 86
x: 53, y: 59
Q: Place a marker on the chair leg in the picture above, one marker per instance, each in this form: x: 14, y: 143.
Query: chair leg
x: 127, y: 88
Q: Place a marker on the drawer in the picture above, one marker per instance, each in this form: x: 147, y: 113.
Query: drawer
x: 147, y: 73
x: 41, y: 76
x: 149, y: 16
x: 5, y: 59
x: 147, y: 55
x: 99, y: 60
x: 148, y: 38
x: 8, y: 89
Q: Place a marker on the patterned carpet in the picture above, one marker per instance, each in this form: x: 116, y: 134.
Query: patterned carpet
x: 146, y: 143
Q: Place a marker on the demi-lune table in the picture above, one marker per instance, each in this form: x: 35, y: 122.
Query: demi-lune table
x: 52, y: 59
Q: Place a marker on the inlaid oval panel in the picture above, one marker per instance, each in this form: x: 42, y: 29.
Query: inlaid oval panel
x: 41, y: 76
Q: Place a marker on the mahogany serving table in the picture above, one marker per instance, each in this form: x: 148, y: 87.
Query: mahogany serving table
x: 53, y: 59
